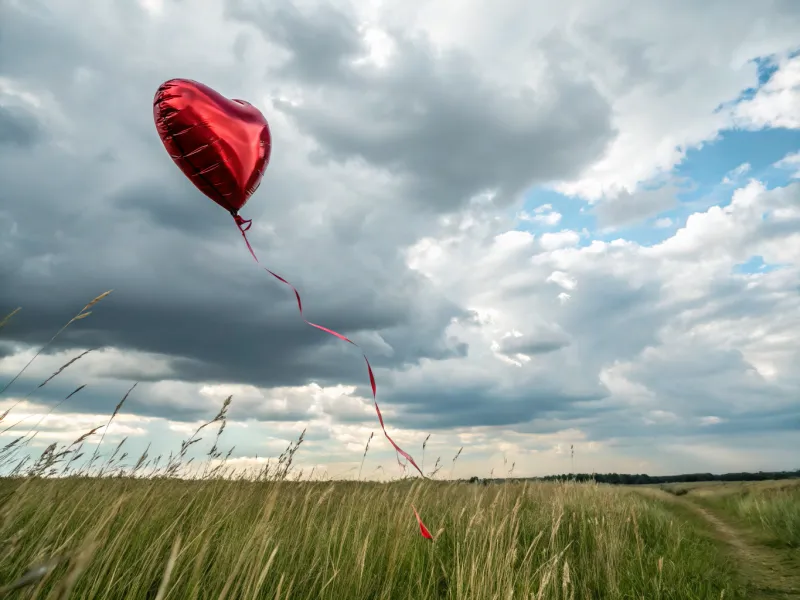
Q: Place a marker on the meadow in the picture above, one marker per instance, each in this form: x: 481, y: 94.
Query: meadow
x: 221, y: 538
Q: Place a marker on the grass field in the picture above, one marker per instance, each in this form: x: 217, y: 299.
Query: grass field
x: 127, y: 538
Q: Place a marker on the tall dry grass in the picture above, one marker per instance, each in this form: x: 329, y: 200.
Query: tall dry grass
x: 221, y: 538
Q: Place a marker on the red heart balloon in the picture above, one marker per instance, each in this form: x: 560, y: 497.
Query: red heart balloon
x: 221, y: 145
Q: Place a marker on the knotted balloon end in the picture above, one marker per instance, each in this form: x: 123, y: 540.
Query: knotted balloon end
x: 242, y: 224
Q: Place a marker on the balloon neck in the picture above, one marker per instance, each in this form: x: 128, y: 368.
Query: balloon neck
x: 242, y: 224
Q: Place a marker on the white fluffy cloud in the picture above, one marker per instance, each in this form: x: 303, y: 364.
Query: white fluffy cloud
x: 542, y: 215
x: 677, y: 339
x: 791, y: 162
x: 777, y: 103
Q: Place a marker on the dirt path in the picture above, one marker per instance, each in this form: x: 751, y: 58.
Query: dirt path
x: 766, y: 570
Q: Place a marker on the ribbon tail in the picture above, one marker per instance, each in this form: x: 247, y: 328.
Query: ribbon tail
x: 244, y: 226
x: 422, y: 529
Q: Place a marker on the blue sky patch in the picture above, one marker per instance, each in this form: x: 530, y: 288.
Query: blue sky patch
x: 766, y: 67
x: 755, y: 264
x: 575, y: 213
x: 708, y: 164
x: 708, y: 176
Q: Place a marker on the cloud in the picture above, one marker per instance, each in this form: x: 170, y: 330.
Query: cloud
x: 113, y: 213
x: 413, y: 118
x: 790, y: 162
x: 562, y: 279
x: 673, y: 316
x: 668, y: 96
x: 561, y: 239
x: 756, y: 222
x: 734, y: 175
x: 542, y: 215
x: 540, y: 342
x: 663, y: 223
x: 18, y: 127
x: 628, y: 208
x: 776, y: 103
x: 406, y: 136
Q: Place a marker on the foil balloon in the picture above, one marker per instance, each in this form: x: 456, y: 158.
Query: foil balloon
x: 223, y: 146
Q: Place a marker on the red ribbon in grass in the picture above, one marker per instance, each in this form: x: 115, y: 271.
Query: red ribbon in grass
x: 244, y: 226
x: 422, y: 529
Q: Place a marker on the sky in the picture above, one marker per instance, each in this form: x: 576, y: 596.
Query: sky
x: 547, y: 225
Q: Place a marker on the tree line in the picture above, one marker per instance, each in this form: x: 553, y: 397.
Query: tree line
x: 643, y: 478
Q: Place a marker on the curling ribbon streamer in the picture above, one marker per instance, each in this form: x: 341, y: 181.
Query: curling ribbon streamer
x: 244, y: 226
x: 422, y: 529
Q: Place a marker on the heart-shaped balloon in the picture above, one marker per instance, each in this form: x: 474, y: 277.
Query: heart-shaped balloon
x: 223, y: 146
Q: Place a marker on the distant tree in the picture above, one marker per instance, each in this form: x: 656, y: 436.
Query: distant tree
x: 642, y: 478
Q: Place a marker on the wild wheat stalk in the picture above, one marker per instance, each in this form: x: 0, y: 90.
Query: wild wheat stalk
x: 9, y: 316
x: 45, y: 382
x: 455, y: 458
x: 366, y: 448
x: 82, y: 314
x: 117, y: 408
x: 44, y: 416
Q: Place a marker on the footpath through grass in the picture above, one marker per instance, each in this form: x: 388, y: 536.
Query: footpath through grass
x: 770, y: 509
x: 758, y: 522
x: 161, y: 538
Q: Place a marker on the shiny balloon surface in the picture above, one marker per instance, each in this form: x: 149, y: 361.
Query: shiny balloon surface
x: 223, y: 146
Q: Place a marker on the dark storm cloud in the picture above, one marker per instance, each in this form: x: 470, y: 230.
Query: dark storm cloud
x: 539, y: 342
x: 487, y: 405
x: 229, y: 338
x: 170, y: 207
x: 7, y: 349
x: 787, y: 419
x: 433, y: 119
x: 147, y: 400
x: 113, y: 212
x: 680, y: 429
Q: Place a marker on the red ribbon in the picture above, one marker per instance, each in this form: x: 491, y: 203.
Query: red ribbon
x: 244, y: 225
x: 422, y: 529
